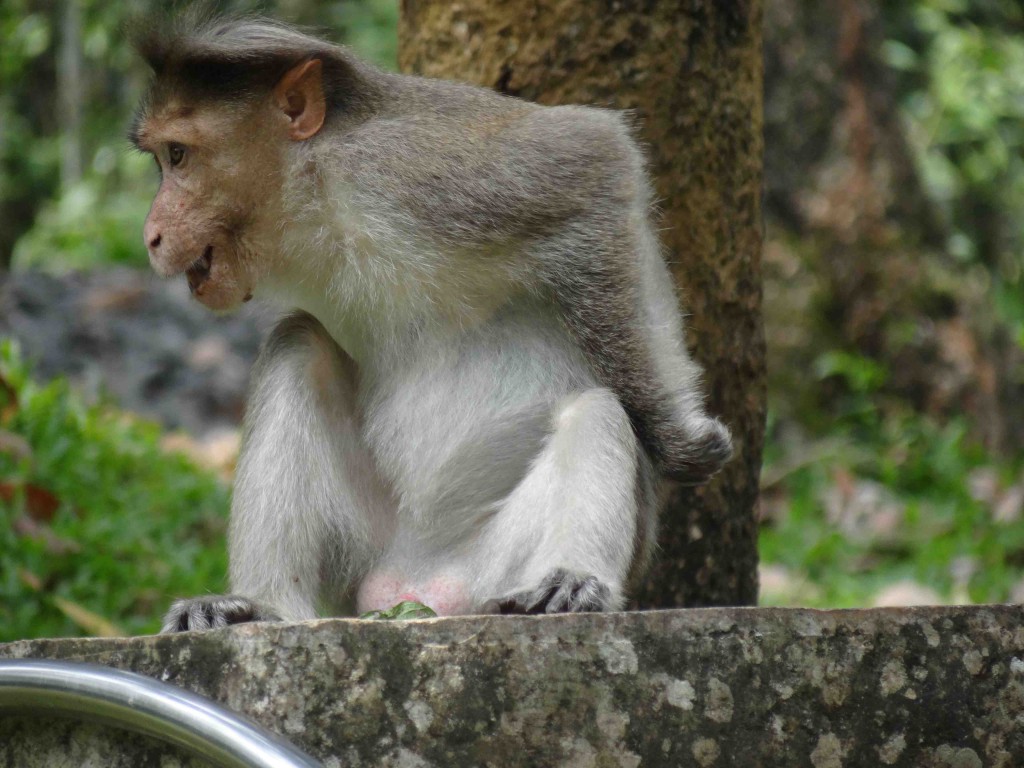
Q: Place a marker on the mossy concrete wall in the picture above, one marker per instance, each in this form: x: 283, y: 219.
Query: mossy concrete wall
x: 710, y: 687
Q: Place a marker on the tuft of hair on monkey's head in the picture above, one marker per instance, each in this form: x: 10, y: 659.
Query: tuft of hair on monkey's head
x: 205, y: 56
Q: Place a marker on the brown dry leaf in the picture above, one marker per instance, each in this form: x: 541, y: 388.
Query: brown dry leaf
x: 55, y: 545
x: 1017, y: 592
x: 218, y: 451
x: 906, y: 593
x: 8, y: 400
x: 862, y: 510
x: 93, y: 623
x: 1005, y: 504
x: 16, y: 445
x: 845, y: 482
x: 1010, y: 505
x: 959, y: 346
x: 30, y: 580
x: 782, y: 586
x: 983, y: 485
x: 40, y: 504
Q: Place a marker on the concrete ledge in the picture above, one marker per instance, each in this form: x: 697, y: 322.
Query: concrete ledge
x: 710, y: 687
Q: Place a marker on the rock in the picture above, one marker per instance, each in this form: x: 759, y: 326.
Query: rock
x: 708, y: 687
x: 142, y: 341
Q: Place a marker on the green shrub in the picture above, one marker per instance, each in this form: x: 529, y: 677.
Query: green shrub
x: 99, y: 523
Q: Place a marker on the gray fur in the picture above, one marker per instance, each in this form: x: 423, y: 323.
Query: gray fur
x: 482, y: 276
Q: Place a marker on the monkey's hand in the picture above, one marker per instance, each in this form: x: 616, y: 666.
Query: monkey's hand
x: 561, y: 591
x: 213, y: 612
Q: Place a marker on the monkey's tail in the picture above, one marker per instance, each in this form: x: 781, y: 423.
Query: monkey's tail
x: 690, y: 451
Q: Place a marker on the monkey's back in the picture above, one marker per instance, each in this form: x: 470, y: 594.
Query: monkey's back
x: 470, y: 166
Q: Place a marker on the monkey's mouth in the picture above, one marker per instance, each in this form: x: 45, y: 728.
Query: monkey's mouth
x: 198, y: 272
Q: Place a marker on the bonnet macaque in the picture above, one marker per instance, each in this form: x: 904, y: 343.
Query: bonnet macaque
x: 483, y: 372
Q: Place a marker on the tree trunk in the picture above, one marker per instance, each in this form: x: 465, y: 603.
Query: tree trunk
x: 70, y: 89
x: 692, y: 73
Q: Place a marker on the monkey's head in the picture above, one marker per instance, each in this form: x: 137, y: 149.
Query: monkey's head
x: 229, y: 101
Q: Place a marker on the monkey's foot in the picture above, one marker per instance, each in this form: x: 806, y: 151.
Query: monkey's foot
x: 561, y: 591
x: 213, y: 612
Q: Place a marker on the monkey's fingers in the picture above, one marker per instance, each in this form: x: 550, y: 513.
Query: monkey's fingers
x: 213, y: 612
x: 561, y: 591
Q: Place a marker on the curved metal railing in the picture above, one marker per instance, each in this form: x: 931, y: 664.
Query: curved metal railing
x: 137, y: 703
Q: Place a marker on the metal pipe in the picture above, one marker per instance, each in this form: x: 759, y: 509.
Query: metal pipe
x: 142, y: 704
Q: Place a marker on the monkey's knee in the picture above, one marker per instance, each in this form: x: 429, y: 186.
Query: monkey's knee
x: 595, y: 413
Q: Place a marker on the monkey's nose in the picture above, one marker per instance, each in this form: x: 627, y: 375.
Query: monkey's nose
x: 152, y: 237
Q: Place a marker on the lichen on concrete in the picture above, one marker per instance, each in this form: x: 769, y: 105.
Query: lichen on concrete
x: 709, y: 687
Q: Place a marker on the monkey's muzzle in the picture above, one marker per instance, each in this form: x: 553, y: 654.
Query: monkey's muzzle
x: 198, y: 272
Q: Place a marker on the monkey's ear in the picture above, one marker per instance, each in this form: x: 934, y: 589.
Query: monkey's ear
x: 300, y: 95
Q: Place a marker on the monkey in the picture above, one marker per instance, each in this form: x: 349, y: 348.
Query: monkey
x: 480, y: 380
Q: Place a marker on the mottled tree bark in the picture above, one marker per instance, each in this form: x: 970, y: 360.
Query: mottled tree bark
x: 692, y: 72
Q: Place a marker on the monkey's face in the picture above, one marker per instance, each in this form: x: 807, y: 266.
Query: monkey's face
x: 211, y: 218
x: 216, y: 217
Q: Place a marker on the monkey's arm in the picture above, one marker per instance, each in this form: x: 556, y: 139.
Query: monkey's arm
x: 306, y: 497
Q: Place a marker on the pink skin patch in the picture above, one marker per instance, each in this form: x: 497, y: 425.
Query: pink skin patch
x: 382, y: 590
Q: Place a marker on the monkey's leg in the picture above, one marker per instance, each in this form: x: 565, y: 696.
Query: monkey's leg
x: 308, y: 504
x: 568, y: 533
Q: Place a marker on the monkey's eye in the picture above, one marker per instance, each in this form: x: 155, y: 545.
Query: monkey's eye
x: 176, y: 153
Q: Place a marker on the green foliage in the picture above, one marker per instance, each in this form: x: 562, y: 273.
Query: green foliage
x: 862, y: 488
x: 98, y: 523
x: 98, y: 220
x: 366, y: 25
x: 407, y: 609
x: 962, y: 65
x: 877, y: 497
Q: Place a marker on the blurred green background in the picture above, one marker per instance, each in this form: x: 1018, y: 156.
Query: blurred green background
x: 100, y: 524
x: 894, y: 306
x: 72, y: 193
